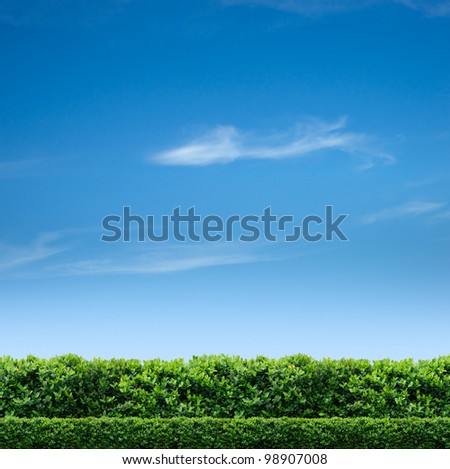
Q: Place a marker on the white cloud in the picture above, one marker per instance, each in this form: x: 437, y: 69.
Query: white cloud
x: 322, y: 7
x: 147, y: 265
x: 42, y: 248
x: 409, y: 209
x: 307, y: 7
x: 225, y: 144
x: 39, y: 258
x: 221, y: 145
x: 159, y: 260
x: 430, y: 8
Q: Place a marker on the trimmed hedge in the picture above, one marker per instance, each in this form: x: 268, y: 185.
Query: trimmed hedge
x: 224, y: 387
x: 185, y: 433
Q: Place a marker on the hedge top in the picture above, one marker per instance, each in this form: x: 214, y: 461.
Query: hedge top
x: 224, y: 386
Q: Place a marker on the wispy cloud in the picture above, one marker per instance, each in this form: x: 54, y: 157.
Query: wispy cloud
x: 410, y: 209
x: 225, y: 144
x: 159, y: 260
x: 15, y: 168
x: 425, y: 181
x: 90, y: 14
x: 146, y: 265
x: 442, y: 215
x: 45, y: 12
x: 72, y: 253
x: 430, y: 8
x: 307, y: 7
x: 323, y: 7
x: 12, y: 257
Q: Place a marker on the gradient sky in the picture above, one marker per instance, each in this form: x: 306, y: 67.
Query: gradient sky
x: 228, y: 107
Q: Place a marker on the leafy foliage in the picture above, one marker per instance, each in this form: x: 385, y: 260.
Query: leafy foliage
x: 224, y: 387
x: 289, y: 433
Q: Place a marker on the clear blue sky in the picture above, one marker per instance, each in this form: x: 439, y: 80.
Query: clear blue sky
x: 228, y: 107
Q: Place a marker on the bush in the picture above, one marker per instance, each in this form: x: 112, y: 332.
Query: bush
x: 185, y: 433
x: 224, y: 387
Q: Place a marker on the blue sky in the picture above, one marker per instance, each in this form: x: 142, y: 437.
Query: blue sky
x: 230, y: 107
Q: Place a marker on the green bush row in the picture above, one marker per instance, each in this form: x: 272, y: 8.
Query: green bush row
x: 288, y: 433
x: 225, y: 387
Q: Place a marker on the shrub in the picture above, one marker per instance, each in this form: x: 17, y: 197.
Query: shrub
x: 224, y: 387
x: 184, y: 433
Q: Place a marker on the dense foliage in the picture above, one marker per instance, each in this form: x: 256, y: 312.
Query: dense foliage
x: 222, y: 386
x: 224, y: 433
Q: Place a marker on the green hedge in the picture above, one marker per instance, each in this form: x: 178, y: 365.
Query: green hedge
x: 224, y: 387
x: 288, y: 433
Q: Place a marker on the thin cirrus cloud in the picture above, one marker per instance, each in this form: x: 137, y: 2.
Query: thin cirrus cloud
x: 154, y: 261
x: 225, y: 144
x: 46, y: 256
x: 45, y: 12
x: 13, y: 257
x: 145, y: 265
x: 410, y: 209
x: 443, y: 215
x: 430, y: 8
x: 323, y: 7
x: 88, y: 13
